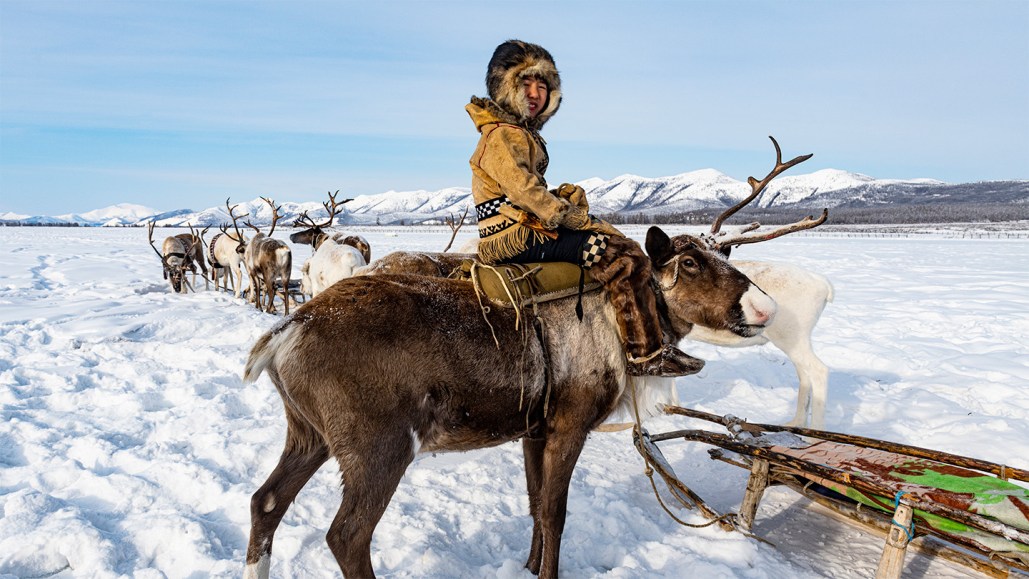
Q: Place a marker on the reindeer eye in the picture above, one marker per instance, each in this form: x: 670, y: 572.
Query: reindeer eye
x: 688, y: 262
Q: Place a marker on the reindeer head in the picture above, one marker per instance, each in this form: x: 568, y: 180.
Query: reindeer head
x: 698, y: 285
x: 314, y: 234
x: 241, y: 240
x: 176, y: 255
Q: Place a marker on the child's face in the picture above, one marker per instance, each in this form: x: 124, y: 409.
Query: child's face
x: 536, y: 94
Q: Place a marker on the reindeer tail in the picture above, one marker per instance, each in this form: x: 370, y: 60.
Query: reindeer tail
x: 261, y: 355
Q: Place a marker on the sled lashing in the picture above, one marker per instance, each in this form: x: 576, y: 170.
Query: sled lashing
x: 958, y: 508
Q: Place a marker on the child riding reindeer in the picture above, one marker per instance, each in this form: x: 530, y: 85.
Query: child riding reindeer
x: 521, y: 220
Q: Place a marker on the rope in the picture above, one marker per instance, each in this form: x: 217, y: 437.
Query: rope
x: 484, y: 309
x: 478, y: 290
x: 675, y: 277
x: 910, y: 532
x: 731, y: 518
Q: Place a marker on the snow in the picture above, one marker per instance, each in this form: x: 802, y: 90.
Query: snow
x: 129, y: 445
x: 112, y: 216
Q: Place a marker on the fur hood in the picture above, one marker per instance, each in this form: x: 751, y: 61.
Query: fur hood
x: 512, y: 62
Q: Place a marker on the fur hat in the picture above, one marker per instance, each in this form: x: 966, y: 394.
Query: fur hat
x: 513, y: 62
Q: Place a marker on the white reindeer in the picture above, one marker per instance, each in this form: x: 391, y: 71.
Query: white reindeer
x: 801, y: 296
x: 335, y: 257
x: 225, y: 255
x: 330, y: 263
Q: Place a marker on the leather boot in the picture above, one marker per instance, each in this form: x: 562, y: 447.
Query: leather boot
x: 667, y: 361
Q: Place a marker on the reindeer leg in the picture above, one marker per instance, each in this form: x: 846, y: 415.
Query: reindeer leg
x: 238, y: 285
x: 304, y: 453
x: 285, y: 292
x: 532, y: 449
x: 813, y: 375
x: 368, y: 486
x: 269, y: 288
x: 559, y: 457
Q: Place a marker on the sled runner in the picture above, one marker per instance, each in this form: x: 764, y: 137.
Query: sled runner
x: 958, y: 508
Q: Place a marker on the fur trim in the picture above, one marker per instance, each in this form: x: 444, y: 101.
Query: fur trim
x: 513, y: 62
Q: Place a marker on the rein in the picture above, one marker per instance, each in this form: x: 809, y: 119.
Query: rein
x: 661, y: 304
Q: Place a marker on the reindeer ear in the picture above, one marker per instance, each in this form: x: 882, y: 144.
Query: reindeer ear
x: 659, y: 246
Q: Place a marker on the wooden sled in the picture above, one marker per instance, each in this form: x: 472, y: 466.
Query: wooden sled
x: 961, y: 509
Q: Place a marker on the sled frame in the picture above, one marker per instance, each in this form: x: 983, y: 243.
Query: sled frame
x: 770, y: 468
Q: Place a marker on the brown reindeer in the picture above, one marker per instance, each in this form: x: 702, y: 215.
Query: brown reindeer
x: 266, y: 260
x: 379, y: 368
x: 179, y: 253
x: 421, y: 368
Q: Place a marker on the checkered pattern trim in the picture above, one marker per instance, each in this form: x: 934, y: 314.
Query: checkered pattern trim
x: 490, y: 208
x: 593, y: 249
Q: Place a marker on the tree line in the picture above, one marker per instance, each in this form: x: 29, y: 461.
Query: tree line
x: 898, y: 214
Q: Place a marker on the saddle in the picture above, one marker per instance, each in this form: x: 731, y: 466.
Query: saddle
x: 516, y: 285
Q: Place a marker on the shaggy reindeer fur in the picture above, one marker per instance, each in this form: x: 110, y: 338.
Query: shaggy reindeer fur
x: 416, y: 263
x: 379, y: 368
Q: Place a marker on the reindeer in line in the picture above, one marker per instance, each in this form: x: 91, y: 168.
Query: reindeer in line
x: 178, y: 254
x: 266, y: 260
x: 377, y: 369
x: 315, y: 234
x: 335, y: 257
x: 226, y: 252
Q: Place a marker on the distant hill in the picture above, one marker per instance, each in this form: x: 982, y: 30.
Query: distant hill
x: 624, y: 198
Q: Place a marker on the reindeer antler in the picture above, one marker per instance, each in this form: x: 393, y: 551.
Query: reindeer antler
x: 332, y: 207
x: 150, y: 236
x: 304, y: 220
x: 275, y: 213
x: 275, y: 216
x: 234, y: 218
x: 455, y: 226
x: 720, y: 241
x: 757, y: 186
x: 740, y: 238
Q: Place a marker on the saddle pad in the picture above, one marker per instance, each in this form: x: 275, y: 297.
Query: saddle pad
x: 526, y: 283
x: 929, y: 481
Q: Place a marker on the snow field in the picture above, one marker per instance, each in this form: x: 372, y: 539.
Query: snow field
x: 129, y: 445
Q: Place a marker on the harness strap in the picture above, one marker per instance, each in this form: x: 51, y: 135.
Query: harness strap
x: 582, y: 284
x: 210, y: 252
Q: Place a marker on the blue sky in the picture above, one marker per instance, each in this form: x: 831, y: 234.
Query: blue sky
x: 176, y: 104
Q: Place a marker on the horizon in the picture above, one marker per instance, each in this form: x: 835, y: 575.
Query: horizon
x: 146, y: 103
x: 821, y: 180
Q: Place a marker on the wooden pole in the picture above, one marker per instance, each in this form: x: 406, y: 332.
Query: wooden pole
x: 999, y: 470
x: 756, y: 485
x: 892, y: 561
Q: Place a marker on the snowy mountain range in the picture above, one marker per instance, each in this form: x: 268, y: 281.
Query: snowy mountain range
x: 632, y: 194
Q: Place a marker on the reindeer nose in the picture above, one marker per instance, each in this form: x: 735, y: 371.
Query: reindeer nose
x: 762, y: 317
